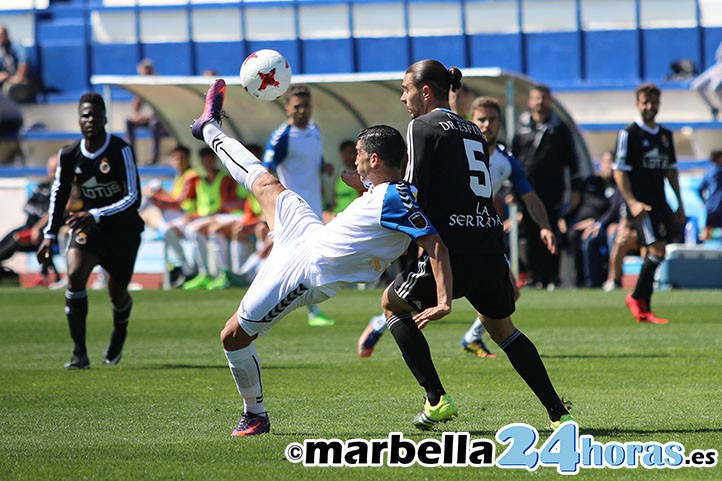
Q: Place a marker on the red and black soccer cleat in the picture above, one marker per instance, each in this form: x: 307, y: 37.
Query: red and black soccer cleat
x: 251, y: 425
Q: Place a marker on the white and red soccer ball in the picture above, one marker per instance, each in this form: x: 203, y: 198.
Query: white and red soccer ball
x: 266, y: 74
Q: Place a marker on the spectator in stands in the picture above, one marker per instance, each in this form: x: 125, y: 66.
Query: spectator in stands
x: 545, y: 146
x: 144, y: 116
x: 645, y: 157
x: 295, y: 153
x: 577, y: 224
x: 27, y: 237
x: 15, y: 78
x: 11, y: 119
x: 708, y: 84
x: 710, y: 189
x: 343, y: 194
x: 169, y: 212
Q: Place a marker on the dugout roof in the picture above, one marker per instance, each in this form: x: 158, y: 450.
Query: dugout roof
x: 343, y: 104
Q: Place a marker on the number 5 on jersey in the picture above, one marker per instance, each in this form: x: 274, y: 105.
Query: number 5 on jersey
x: 480, y: 179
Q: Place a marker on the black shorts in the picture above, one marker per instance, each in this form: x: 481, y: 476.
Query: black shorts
x: 482, y: 280
x: 117, y: 250
x: 657, y: 225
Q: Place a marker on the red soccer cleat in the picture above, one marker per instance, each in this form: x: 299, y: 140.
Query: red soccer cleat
x: 650, y: 317
x: 211, y: 108
x: 251, y: 425
x: 638, y: 308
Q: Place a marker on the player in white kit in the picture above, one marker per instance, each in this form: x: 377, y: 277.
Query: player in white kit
x: 295, y: 153
x: 311, y: 261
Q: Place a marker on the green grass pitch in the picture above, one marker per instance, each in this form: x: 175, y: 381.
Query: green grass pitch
x: 166, y: 411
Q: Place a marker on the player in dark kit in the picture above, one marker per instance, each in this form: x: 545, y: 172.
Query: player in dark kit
x: 449, y: 164
x: 106, y: 232
x: 645, y: 157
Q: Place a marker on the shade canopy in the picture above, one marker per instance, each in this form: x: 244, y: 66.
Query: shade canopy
x: 343, y: 104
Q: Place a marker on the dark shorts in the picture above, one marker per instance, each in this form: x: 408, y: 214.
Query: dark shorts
x: 658, y: 225
x: 482, y: 280
x: 116, y: 249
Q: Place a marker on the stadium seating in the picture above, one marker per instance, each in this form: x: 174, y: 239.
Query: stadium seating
x: 564, y: 43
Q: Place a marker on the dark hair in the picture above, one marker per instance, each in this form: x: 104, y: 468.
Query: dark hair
x: 542, y: 88
x: 298, y: 90
x: 93, y: 98
x: 647, y: 89
x: 438, y: 78
x: 715, y: 155
x: 181, y: 148
x: 386, y: 142
x: 205, y: 151
x: 486, y: 103
x: 347, y: 143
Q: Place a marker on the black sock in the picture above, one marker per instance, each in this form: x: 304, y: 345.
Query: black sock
x: 417, y: 355
x: 120, y: 328
x: 525, y: 358
x: 645, y: 281
x: 76, y: 310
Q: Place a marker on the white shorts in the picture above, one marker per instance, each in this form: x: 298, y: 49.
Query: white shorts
x: 289, y: 277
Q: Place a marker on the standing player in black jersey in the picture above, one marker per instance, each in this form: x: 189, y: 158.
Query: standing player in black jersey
x: 645, y: 157
x: 449, y: 164
x: 106, y: 232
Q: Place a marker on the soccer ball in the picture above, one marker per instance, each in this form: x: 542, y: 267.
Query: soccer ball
x: 266, y: 74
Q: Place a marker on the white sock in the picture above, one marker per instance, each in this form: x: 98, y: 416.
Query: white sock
x: 378, y: 322
x: 221, y: 248
x: 240, y: 250
x: 240, y: 162
x: 313, y: 311
x: 173, y: 240
x: 246, y: 370
x: 475, y: 331
x: 250, y: 268
x: 200, y: 247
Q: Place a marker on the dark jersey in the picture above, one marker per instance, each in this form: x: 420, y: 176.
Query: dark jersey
x: 107, y: 181
x: 38, y: 201
x: 646, y: 156
x: 546, y: 149
x: 449, y: 165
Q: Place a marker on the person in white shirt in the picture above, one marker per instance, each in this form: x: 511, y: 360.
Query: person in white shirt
x: 295, y: 153
x: 708, y: 84
x: 311, y: 261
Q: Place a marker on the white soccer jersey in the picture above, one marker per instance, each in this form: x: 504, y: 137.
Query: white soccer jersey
x: 371, y: 233
x: 297, y: 157
x: 502, y: 167
x: 311, y: 261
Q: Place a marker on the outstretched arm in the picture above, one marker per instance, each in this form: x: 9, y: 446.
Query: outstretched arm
x: 441, y: 266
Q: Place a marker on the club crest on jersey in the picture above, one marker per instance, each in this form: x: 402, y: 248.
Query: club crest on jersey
x: 418, y: 220
x: 104, y: 166
x: 377, y: 265
x: 81, y: 238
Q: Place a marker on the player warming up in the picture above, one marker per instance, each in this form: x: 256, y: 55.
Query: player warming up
x: 106, y: 232
x: 311, y: 261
